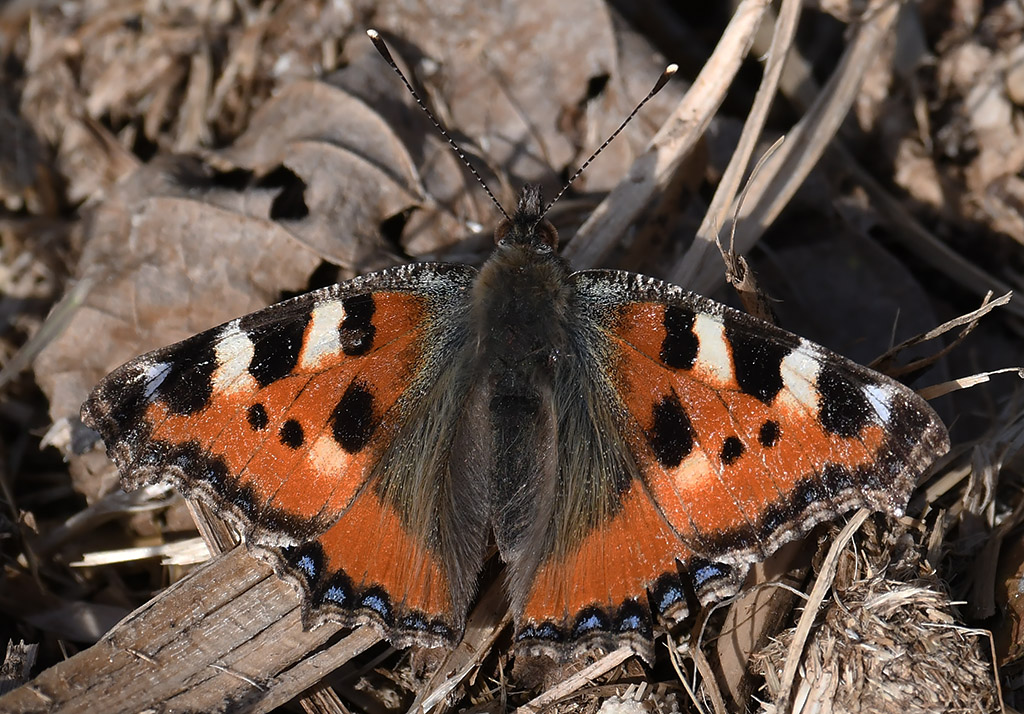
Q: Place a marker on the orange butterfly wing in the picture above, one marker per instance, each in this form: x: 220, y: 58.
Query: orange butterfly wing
x: 291, y: 422
x: 709, y: 439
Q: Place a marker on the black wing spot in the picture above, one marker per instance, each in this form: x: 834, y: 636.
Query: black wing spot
x: 276, y: 346
x: 357, y: 331
x: 769, y: 434
x: 671, y: 437
x: 679, y: 348
x: 842, y: 407
x: 732, y: 449
x: 291, y: 434
x: 758, y: 360
x: 257, y: 416
x: 188, y: 382
x: 352, y: 421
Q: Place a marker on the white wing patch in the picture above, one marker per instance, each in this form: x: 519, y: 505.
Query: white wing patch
x: 327, y: 457
x: 878, y: 397
x: 155, y: 375
x: 714, y: 358
x: 234, y: 352
x: 799, y: 371
x: 322, y: 336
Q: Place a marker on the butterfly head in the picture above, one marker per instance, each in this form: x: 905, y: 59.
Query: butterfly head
x: 527, y: 226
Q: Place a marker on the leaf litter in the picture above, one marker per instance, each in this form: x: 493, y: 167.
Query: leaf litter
x: 191, y: 162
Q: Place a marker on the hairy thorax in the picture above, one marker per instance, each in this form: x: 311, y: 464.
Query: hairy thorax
x: 521, y: 306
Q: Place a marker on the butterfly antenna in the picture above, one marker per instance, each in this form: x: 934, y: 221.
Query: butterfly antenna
x: 382, y: 48
x: 743, y: 194
x: 658, y: 86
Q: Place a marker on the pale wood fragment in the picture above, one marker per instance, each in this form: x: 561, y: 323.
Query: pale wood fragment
x: 227, y: 638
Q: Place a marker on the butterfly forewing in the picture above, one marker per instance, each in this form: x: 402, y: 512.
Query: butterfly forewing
x: 281, y: 419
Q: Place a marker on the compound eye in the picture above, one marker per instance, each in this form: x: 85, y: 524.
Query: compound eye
x: 500, y: 232
x: 547, y: 234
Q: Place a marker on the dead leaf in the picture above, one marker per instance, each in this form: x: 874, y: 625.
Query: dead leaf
x: 167, y: 262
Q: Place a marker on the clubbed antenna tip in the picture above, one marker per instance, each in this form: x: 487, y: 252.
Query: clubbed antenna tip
x: 382, y: 48
x: 658, y: 86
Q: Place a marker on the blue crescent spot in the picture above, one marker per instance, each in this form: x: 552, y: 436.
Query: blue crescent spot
x: 414, y: 622
x: 375, y: 603
x: 812, y: 494
x: 307, y: 566
x: 632, y: 622
x: 591, y: 622
x: 543, y: 631
x: 669, y: 598
x: 706, y: 573
x: 336, y: 595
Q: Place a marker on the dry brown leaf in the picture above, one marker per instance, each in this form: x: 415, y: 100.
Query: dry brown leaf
x: 348, y: 171
x: 167, y: 262
x: 512, y: 102
x: 529, y: 110
x: 347, y: 200
x: 1010, y: 593
x: 317, y: 111
x: 23, y: 163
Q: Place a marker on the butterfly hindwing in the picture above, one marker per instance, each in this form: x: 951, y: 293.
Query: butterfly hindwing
x: 710, y: 439
x: 290, y: 420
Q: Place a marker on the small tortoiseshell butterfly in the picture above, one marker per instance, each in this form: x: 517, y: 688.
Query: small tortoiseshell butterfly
x: 626, y: 445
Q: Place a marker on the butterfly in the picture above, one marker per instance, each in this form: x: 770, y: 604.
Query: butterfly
x: 625, y: 445
x: 628, y: 448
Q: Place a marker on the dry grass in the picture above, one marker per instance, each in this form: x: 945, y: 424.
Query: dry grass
x: 888, y: 640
